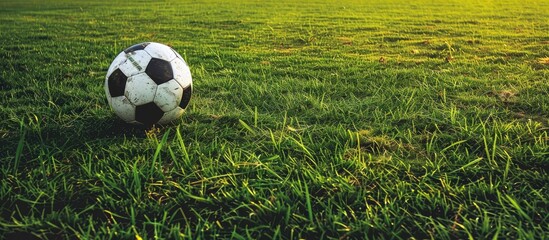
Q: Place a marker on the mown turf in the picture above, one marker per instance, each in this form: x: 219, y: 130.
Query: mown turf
x: 317, y: 120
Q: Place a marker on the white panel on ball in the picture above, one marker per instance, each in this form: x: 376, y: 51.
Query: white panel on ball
x: 181, y: 72
x: 168, y: 95
x: 136, y: 62
x: 161, y: 51
x: 171, y: 115
x: 123, y: 108
x: 140, y: 89
x: 117, y: 61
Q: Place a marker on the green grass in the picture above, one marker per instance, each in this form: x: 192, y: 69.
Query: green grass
x: 316, y: 120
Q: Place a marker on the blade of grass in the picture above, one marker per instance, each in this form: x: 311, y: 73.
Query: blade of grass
x: 308, y: 202
x: 246, y: 126
x: 160, y: 146
x: 517, y: 207
x: 468, y: 164
x: 19, y: 150
x: 452, y: 145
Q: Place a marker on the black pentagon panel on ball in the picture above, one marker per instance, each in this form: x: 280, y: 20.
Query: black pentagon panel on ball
x: 148, y: 114
x: 117, y: 83
x: 139, y: 46
x: 159, y: 71
x: 186, y: 98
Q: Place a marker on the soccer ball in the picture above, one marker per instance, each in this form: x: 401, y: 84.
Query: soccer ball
x: 148, y: 83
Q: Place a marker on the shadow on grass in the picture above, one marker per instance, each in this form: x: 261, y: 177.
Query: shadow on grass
x: 48, y: 136
x: 85, y: 130
x: 68, y: 132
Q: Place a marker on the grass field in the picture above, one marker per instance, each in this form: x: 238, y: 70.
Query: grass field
x: 314, y: 120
